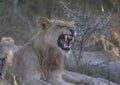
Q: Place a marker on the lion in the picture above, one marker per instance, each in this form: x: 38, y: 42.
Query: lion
x: 7, y: 45
x: 40, y: 61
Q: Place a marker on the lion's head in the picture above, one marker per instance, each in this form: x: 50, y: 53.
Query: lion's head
x: 58, y: 34
x: 8, y: 40
x: 7, y: 44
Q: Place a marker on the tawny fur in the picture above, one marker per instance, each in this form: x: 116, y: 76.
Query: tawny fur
x: 40, y: 61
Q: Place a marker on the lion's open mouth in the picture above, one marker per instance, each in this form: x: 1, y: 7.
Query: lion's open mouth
x: 65, y: 41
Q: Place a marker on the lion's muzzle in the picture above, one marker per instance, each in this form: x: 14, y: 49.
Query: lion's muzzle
x: 65, y: 40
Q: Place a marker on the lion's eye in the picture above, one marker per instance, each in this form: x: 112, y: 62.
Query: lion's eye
x: 61, y: 26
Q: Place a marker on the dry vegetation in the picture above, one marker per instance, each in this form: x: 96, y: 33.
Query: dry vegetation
x: 97, y: 25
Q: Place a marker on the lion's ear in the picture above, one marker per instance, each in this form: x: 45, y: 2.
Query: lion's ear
x: 43, y: 22
x: 8, y: 39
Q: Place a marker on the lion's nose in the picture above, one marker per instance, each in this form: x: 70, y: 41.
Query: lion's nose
x: 72, y: 32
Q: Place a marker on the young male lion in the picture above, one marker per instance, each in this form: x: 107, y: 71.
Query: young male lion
x: 7, y: 48
x: 40, y: 61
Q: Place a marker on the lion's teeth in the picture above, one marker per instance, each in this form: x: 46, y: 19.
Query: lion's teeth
x: 69, y: 37
x: 75, y: 34
x: 70, y: 46
x: 73, y: 39
x: 65, y: 37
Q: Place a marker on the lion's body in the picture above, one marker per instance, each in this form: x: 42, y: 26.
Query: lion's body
x: 7, y: 44
x: 7, y: 49
x: 41, y: 59
x: 42, y: 65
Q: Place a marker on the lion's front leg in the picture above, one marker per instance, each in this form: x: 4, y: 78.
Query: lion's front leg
x: 36, y: 82
x: 68, y: 77
x: 59, y: 82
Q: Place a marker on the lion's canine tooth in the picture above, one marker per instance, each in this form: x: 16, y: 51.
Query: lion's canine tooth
x: 75, y: 34
x: 73, y: 39
x: 70, y: 46
x: 65, y: 37
x: 69, y: 37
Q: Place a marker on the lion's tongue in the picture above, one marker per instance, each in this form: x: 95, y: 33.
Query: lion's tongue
x: 65, y: 43
x: 66, y: 46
